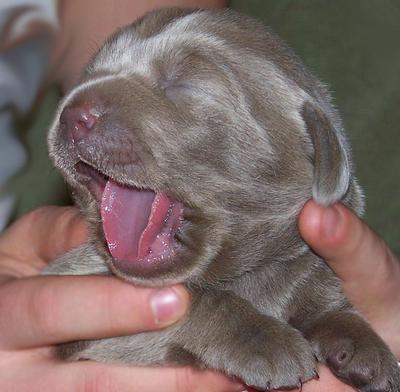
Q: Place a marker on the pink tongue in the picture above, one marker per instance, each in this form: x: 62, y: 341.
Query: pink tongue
x: 131, y: 220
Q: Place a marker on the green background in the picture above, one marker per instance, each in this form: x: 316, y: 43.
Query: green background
x: 353, y: 46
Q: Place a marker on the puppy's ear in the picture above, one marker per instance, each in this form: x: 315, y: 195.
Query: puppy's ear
x: 331, y: 160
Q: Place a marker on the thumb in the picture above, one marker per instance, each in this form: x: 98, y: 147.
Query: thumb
x: 369, y: 271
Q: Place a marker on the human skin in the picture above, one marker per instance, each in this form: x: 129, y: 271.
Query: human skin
x: 355, y: 252
x: 37, y: 312
x: 84, y: 26
x: 369, y: 270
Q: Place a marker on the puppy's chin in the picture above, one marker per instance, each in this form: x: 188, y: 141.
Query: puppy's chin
x: 146, y: 236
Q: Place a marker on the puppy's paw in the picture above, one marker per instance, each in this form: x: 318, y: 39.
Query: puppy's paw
x: 355, y: 353
x: 272, y: 360
x: 370, y: 367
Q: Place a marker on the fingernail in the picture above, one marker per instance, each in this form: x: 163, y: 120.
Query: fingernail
x: 330, y: 221
x: 167, y: 306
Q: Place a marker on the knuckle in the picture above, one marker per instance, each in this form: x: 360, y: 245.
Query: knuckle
x: 27, y: 222
x: 57, y: 215
x: 389, y: 263
x: 356, y: 240
x: 112, y: 307
x: 37, y: 214
x: 69, y: 214
x: 99, y: 379
x: 184, y: 380
x: 43, y: 310
x: 113, y: 299
x: 106, y: 302
x: 42, y: 216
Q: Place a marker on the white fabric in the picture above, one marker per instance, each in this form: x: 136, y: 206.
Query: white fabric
x: 21, y: 71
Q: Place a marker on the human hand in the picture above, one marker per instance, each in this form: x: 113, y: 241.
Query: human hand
x: 326, y: 382
x: 369, y: 271
x: 85, y: 25
x: 37, y: 312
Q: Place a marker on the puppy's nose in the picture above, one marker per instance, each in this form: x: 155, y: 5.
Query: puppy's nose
x: 78, y: 122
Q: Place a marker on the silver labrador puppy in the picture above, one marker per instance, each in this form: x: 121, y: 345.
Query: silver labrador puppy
x: 191, y: 144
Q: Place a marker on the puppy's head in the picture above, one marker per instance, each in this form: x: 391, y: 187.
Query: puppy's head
x: 192, y: 142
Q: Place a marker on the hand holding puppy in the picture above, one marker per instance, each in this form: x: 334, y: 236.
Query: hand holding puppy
x: 58, y: 229
x: 369, y: 271
x: 38, y: 312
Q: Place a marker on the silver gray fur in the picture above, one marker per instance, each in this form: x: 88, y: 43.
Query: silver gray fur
x: 212, y: 109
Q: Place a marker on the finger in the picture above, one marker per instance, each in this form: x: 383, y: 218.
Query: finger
x: 368, y: 269
x: 327, y: 382
x: 47, y: 310
x: 90, y: 376
x: 45, y: 233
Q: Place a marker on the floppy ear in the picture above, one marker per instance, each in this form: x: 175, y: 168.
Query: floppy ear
x: 331, y: 159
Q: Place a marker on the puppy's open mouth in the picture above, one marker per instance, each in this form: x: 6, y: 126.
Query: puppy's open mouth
x: 139, y: 226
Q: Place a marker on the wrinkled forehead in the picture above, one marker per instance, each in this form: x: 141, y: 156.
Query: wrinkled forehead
x: 189, y: 52
x: 172, y: 50
x: 186, y: 48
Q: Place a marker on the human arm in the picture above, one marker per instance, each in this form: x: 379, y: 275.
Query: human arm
x: 84, y: 26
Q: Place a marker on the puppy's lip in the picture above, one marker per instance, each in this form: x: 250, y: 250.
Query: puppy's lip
x: 141, y: 227
x: 92, y: 178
